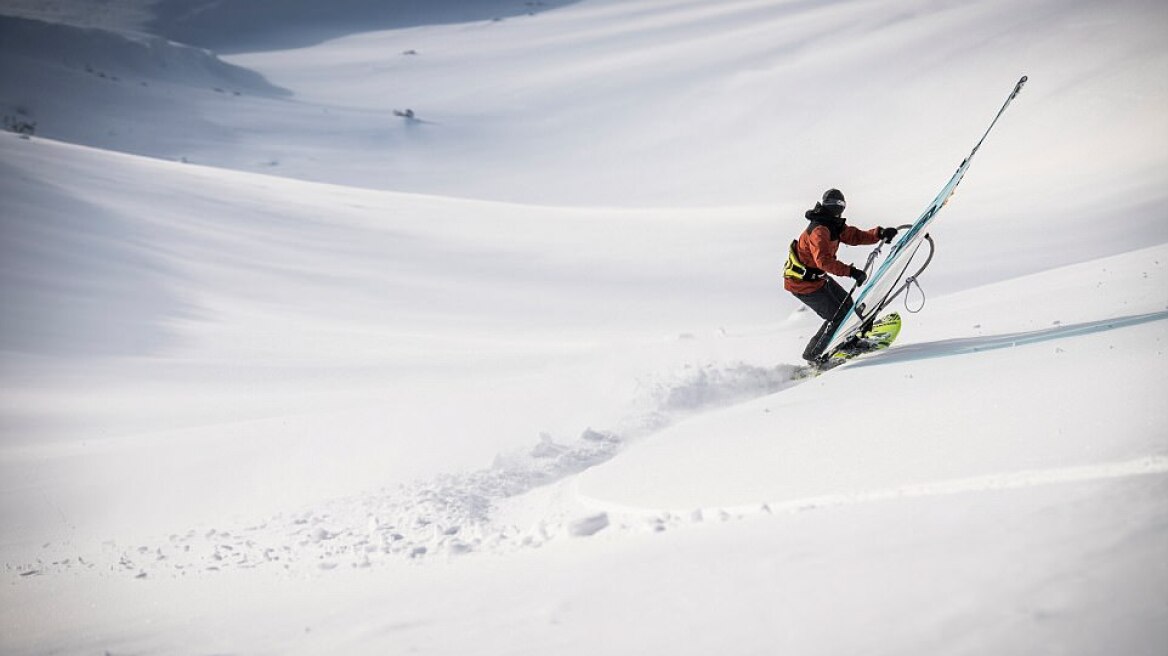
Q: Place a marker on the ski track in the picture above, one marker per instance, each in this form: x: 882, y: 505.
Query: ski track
x: 452, y: 514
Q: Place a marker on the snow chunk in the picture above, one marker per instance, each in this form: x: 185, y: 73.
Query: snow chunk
x: 320, y: 534
x: 589, y: 525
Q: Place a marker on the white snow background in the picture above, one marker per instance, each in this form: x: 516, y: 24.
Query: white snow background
x: 457, y: 327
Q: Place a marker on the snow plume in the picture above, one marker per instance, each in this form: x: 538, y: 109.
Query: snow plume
x: 710, y: 386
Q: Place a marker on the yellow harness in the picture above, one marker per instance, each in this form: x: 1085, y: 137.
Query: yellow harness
x: 796, y: 270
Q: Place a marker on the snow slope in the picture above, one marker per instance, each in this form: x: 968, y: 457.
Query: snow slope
x: 683, y: 104
x: 665, y: 482
x: 741, y: 102
x: 285, y: 373
x: 227, y: 297
x: 1034, y: 391
x: 121, y: 90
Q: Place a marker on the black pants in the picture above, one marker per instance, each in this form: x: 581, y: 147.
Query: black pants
x: 831, y: 303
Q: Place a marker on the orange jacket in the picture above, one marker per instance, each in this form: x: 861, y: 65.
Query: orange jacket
x: 817, y: 249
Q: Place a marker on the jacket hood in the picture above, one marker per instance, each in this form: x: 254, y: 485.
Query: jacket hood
x: 818, y: 215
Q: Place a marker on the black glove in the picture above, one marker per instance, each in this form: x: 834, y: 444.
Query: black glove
x: 887, y: 234
x: 859, y: 275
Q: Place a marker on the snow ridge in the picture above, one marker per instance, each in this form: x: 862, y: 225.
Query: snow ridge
x: 112, y: 55
x: 231, y: 25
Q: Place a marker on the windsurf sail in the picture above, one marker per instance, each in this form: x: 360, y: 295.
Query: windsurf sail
x: 889, y: 277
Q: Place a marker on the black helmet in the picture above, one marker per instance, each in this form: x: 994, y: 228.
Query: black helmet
x: 833, y: 203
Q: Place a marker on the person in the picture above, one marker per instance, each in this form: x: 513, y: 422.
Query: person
x: 813, y: 256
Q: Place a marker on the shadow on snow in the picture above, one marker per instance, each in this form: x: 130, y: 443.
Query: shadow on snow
x: 966, y: 345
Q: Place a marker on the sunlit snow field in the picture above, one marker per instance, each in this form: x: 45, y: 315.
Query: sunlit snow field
x: 458, y: 327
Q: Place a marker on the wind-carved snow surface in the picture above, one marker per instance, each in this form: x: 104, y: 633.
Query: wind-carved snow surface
x: 450, y: 515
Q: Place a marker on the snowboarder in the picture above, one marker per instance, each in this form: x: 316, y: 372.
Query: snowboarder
x: 812, y: 256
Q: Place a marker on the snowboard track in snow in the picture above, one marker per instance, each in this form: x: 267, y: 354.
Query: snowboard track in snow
x: 448, y: 515
x: 455, y: 514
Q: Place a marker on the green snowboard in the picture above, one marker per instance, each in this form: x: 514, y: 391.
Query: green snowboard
x: 880, y: 336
